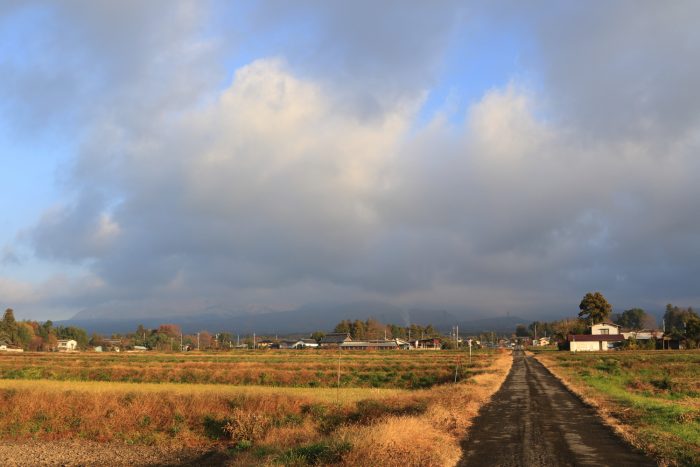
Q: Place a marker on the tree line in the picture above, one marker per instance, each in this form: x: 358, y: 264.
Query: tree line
x: 372, y: 329
x: 678, y: 323
x: 37, y: 336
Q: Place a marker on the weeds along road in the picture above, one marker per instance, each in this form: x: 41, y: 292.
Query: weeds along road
x: 533, y: 420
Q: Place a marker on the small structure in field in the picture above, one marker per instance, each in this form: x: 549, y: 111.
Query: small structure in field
x: 602, y: 337
x: 67, y: 345
x: 335, y: 339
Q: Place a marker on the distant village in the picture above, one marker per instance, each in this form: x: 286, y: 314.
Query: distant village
x: 595, y: 329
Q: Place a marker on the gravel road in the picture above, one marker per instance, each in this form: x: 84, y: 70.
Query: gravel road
x: 533, y: 420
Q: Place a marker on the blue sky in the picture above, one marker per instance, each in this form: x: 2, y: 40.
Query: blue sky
x: 481, y: 157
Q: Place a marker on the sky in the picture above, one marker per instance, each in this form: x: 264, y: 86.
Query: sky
x: 486, y: 158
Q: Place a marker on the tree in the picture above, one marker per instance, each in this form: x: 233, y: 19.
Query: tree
x: 317, y: 335
x: 344, y: 326
x: 358, y: 330
x: 675, y: 319
x: 634, y: 318
x: 8, y: 326
x: 170, y: 330
x: 692, y: 330
x: 521, y: 331
x: 374, y: 329
x: 594, y: 308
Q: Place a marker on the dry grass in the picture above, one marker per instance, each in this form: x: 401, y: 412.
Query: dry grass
x: 264, y: 425
x: 344, y: 395
x: 431, y: 439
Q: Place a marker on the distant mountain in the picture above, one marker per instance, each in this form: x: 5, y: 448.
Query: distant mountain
x: 304, y: 320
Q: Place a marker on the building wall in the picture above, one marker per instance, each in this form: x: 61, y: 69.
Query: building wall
x: 598, y: 329
x: 578, y: 346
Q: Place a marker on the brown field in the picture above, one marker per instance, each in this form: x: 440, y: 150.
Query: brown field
x: 268, y: 368
x: 303, y: 422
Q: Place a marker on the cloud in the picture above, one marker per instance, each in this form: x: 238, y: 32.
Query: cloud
x: 314, y: 175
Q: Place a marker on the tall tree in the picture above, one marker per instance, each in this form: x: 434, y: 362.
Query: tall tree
x: 8, y: 326
x: 344, y: 326
x: 594, y: 308
x: 634, y: 318
x: 676, y: 319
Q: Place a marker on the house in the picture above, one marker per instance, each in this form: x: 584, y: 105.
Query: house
x: 334, y: 339
x: 542, y: 341
x: 6, y: 347
x: 603, y: 336
x: 306, y: 344
x: 67, y: 345
x: 434, y: 343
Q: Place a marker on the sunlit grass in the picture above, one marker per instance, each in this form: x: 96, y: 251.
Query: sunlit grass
x: 342, y: 395
x: 653, y: 395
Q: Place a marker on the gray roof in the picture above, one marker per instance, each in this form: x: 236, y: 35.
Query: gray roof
x: 336, y: 338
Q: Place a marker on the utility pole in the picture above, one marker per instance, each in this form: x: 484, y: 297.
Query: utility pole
x: 197, y: 341
x: 254, y: 341
x: 180, y: 342
x: 337, y: 394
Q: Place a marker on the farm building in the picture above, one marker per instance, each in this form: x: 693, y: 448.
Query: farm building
x: 390, y: 344
x: 296, y: 344
x: 67, y: 345
x: 643, y: 334
x: 603, y: 336
x: 334, y: 339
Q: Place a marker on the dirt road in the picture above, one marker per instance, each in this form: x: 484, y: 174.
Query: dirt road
x: 533, y: 420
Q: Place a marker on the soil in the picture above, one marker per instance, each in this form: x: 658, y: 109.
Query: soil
x: 533, y: 420
x: 88, y: 453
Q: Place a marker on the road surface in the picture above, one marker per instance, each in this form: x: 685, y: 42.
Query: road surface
x: 533, y: 420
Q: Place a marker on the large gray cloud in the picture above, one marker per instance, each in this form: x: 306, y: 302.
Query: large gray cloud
x: 272, y: 192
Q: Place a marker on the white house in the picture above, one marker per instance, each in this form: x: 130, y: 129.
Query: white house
x: 603, y: 336
x: 5, y: 347
x: 67, y: 345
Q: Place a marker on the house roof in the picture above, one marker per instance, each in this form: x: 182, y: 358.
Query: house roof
x: 376, y: 344
x: 336, y: 338
x: 595, y: 337
x: 608, y: 323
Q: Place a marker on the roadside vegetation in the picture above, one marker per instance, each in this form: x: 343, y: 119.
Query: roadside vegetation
x: 283, y: 420
x: 652, y: 398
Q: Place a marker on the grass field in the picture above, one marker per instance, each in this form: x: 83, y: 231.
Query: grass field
x: 651, y: 397
x: 291, y: 416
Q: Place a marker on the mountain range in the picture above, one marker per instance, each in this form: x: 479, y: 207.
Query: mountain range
x: 304, y: 320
